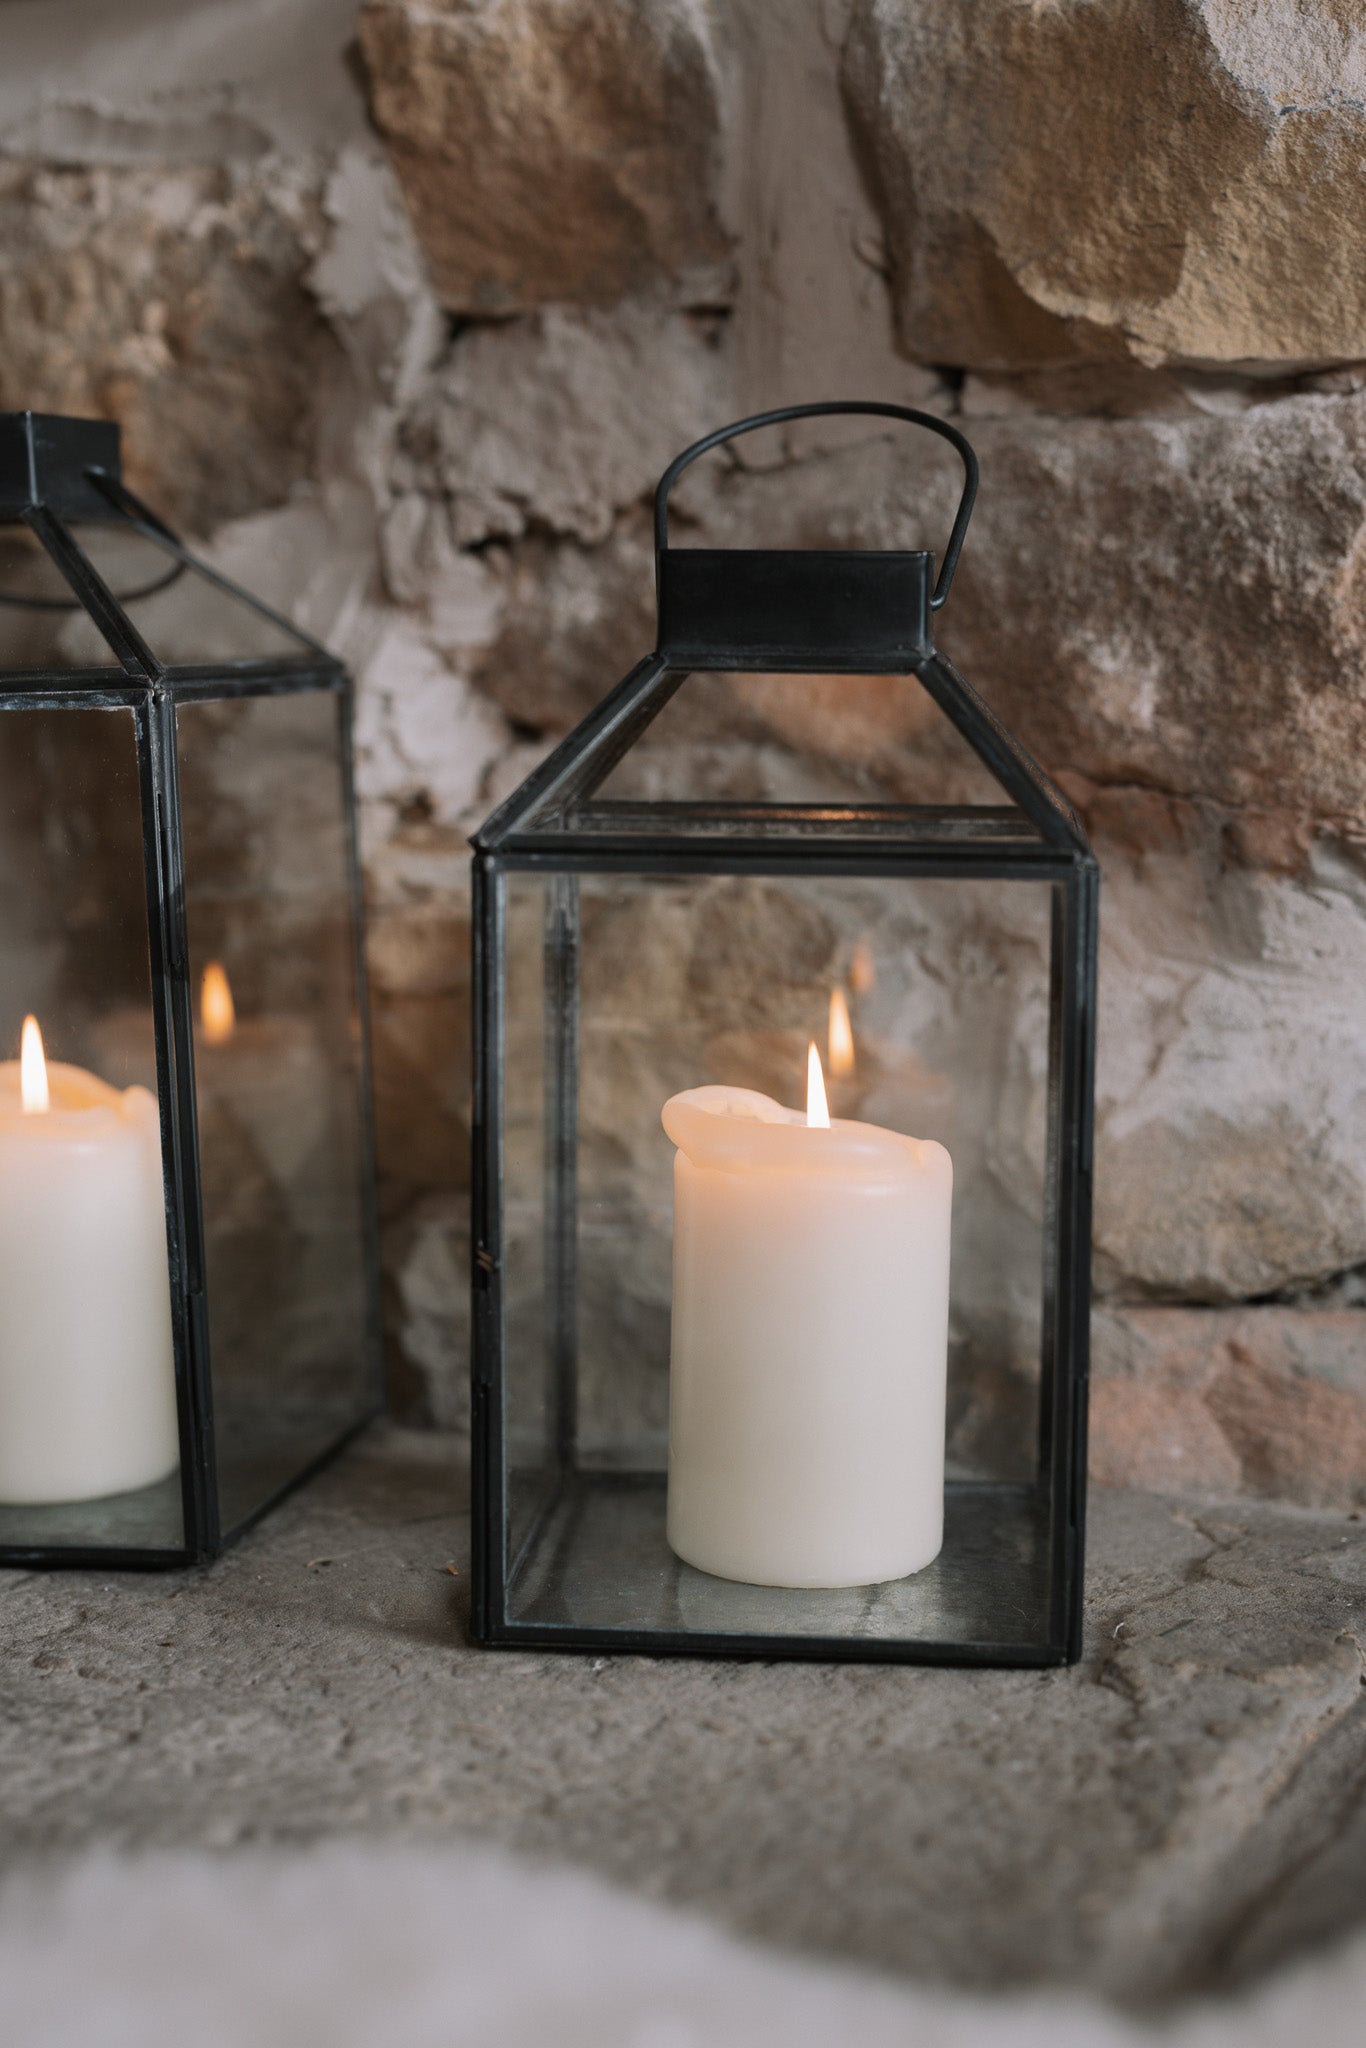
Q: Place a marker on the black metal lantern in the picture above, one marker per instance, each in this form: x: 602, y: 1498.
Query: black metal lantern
x: 188, y: 1279
x: 665, y: 913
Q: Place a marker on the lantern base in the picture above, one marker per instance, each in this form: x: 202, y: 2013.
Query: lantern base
x: 148, y: 1519
x: 595, y: 1572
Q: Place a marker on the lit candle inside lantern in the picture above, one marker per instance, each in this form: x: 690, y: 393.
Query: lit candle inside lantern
x: 217, y: 1011
x: 810, y: 1341
x: 87, y: 1382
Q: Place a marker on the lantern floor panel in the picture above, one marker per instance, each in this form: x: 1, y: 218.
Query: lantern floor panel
x: 148, y: 1519
x: 597, y: 1567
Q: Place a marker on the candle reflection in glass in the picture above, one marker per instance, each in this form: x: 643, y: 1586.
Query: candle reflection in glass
x: 840, y: 1034
x: 217, y: 1011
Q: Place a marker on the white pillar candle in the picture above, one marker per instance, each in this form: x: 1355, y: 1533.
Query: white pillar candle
x: 87, y: 1382
x: 810, y: 1337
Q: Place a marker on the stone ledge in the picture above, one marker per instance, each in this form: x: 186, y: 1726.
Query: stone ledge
x: 1175, y: 1813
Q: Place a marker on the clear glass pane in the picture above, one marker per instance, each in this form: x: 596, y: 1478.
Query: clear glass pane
x: 277, y: 1074
x: 41, y: 624
x: 682, y: 982
x: 847, y: 755
x: 183, y: 615
x: 533, y: 1304
x: 88, y: 1433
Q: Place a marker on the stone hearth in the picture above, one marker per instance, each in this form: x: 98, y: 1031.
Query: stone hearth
x: 1183, y: 1810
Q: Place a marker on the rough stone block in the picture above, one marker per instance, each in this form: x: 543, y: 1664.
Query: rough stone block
x: 1068, y: 184
x: 1267, y: 1401
x: 172, y: 300
x: 550, y: 151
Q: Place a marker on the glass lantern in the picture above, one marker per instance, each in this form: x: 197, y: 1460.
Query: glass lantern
x: 782, y: 1146
x: 188, y: 1276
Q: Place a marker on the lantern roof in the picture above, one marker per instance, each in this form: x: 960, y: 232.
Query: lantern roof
x: 829, y: 613
x: 90, y: 576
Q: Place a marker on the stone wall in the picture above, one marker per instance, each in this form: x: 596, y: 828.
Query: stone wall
x: 404, y: 306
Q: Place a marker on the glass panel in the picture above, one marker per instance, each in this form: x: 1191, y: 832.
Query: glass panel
x: 88, y: 1432
x: 929, y: 1004
x: 842, y: 755
x: 184, y: 616
x: 531, y: 1299
x: 277, y: 1073
x: 41, y: 625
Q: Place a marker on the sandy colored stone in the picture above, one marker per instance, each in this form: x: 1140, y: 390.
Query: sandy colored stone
x: 1210, y: 641
x: 549, y: 151
x: 1266, y: 1401
x: 1074, y: 183
x: 174, y: 301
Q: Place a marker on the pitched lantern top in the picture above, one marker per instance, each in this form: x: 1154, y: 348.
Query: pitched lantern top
x: 90, y: 575
x: 828, y: 612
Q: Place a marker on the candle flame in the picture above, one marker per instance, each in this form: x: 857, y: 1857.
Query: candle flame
x: 840, y: 1040
x: 817, y: 1108
x: 217, y: 1011
x: 33, y: 1090
x: 862, y: 973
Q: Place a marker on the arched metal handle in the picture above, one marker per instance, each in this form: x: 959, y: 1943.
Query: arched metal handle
x: 808, y: 412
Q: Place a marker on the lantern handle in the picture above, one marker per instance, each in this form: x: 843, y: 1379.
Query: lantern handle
x: 806, y: 412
